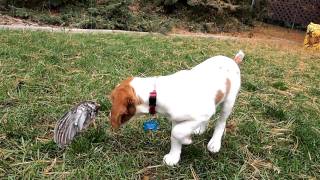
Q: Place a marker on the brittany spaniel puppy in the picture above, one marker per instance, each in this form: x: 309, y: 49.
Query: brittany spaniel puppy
x: 188, y: 98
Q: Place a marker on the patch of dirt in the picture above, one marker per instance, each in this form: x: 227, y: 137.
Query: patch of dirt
x: 268, y: 31
x: 8, y: 20
x: 262, y: 32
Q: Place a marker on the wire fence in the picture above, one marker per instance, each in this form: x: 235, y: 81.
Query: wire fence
x: 294, y: 12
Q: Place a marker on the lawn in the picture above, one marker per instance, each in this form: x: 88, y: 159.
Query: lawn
x: 274, y: 130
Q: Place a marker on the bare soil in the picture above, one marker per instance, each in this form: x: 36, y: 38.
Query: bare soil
x: 261, y: 31
x: 268, y: 31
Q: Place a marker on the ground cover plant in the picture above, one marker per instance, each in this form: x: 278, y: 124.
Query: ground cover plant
x: 273, y: 131
x: 136, y: 15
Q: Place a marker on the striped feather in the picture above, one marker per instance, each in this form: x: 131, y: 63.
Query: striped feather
x: 72, y: 122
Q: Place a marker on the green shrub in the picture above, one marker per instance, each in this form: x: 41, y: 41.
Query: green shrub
x: 52, y: 20
x: 221, y: 6
x: 46, y: 3
x: 138, y: 15
x: 19, y: 12
x: 88, y: 24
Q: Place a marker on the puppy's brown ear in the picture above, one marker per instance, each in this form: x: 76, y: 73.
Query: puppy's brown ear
x: 131, y: 106
x: 130, y: 110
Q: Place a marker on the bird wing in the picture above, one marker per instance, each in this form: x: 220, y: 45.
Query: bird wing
x: 88, y: 119
x: 68, y: 126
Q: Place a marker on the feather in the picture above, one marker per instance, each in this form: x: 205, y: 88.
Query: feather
x: 74, y: 121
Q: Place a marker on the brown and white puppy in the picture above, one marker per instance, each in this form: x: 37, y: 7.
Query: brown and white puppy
x: 188, y: 98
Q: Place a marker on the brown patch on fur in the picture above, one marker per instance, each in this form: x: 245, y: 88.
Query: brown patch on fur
x: 228, y: 86
x: 219, y: 97
x: 124, y: 102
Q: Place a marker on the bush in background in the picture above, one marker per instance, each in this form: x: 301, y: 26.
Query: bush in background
x: 46, y: 3
x: 137, y: 15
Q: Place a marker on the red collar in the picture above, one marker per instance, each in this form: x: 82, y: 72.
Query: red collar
x: 153, y: 102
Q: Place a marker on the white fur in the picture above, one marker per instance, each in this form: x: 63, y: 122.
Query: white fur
x: 187, y: 98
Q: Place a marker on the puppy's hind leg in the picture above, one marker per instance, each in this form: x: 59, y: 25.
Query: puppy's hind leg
x: 214, y: 144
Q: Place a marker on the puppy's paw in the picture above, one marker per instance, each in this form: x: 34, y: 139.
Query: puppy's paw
x: 200, y: 130
x: 171, y: 159
x: 214, y: 145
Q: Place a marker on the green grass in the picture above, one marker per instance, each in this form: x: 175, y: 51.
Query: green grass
x: 273, y: 132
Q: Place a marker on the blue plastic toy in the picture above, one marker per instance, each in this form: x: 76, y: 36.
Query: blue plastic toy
x: 151, y: 125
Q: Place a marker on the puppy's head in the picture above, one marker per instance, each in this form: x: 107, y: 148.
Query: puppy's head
x: 124, y: 103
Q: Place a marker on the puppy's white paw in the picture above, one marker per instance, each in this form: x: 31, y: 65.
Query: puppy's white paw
x: 171, y: 159
x: 214, y: 145
x: 200, y: 130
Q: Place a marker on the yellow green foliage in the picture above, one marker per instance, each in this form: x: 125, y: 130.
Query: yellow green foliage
x: 312, y: 39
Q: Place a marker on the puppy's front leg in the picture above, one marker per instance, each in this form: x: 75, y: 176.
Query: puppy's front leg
x: 180, y: 134
x: 173, y: 157
x: 201, y: 129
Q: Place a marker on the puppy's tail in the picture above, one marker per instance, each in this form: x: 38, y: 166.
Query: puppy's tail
x: 239, y: 57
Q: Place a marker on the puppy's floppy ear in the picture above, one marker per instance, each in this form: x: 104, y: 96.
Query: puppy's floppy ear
x: 130, y: 110
x: 131, y: 106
